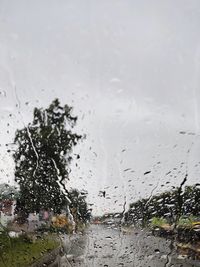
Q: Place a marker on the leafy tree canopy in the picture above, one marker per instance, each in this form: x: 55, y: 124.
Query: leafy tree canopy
x: 169, y: 205
x: 43, y: 156
x: 79, y: 205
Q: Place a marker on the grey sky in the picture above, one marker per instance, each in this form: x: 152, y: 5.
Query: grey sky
x: 131, y: 70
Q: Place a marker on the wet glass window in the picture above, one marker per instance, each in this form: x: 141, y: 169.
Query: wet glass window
x: 100, y: 133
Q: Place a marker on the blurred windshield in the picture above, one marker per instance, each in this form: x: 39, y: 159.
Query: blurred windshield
x: 100, y: 137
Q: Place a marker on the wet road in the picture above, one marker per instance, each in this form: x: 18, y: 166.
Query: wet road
x: 108, y: 247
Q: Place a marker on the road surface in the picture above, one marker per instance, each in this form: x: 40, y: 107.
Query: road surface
x: 108, y: 247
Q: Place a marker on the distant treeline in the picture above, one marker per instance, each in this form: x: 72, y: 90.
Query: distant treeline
x: 170, y: 205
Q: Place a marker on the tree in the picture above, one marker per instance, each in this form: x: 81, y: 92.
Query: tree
x: 42, y: 158
x: 79, y: 206
x: 171, y: 205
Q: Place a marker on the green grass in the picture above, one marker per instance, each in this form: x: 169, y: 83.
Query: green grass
x: 22, y: 252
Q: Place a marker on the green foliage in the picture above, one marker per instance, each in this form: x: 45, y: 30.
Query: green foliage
x: 183, y: 222
x: 42, y: 158
x: 20, y: 251
x: 171, y: 205
x: 158, y: 222
x: 79, y: 206
x: 186, y: 221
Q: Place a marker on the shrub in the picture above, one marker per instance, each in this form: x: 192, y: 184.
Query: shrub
x: 158, y: 222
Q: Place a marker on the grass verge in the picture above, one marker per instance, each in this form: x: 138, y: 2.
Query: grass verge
x: 22, y: 251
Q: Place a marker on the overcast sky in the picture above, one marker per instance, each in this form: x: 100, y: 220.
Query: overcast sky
x: 130, y: 69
